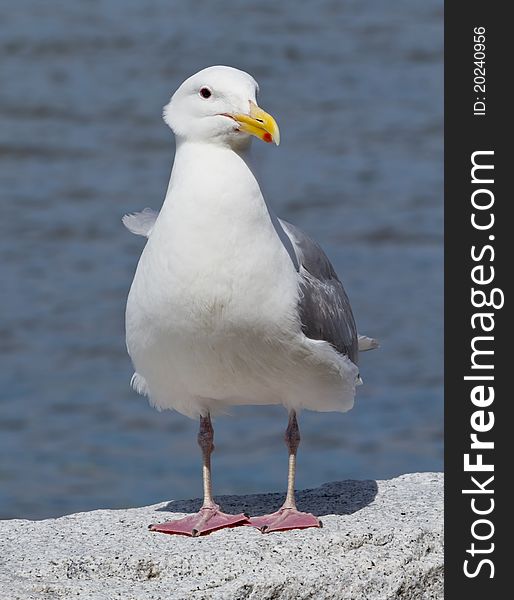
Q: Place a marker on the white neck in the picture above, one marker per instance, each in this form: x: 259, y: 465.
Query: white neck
x: 214, y: 202
x: 210, y: 183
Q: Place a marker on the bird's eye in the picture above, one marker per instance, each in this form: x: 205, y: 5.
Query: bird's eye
x: 205, y: 92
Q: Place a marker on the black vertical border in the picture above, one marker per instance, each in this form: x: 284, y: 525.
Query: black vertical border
x: 464, y: 134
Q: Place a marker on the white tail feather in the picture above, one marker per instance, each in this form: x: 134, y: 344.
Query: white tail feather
x: 366, y: 343
x: 139, y: 384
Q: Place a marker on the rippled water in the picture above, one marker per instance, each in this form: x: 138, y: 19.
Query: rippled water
x: 357, y: 90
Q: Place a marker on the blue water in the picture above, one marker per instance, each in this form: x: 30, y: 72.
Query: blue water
x: 357, y: 90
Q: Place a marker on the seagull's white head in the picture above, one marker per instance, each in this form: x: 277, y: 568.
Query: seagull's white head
x: 218, y: 105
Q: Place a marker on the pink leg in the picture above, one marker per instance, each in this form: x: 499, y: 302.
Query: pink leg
x: 209, y: 518
x: 288, y: 517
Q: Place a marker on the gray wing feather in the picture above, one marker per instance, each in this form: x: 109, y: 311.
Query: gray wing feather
x: 325, y: 310
x: 141, y: 223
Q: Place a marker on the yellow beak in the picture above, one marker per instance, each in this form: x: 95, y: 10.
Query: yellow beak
x: 260, y: 124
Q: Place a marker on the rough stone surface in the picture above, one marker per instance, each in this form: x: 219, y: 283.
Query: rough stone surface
x: 381, y: 540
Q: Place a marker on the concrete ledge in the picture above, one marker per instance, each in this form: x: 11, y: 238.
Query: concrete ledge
x: 381, y: 540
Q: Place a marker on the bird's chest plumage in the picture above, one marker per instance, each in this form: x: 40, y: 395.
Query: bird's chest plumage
x: 210, y: 286
x: 214, y: 289
x: 208, y: 326
x: 212, y: 315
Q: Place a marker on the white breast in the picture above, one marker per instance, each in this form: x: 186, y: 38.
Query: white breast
x: 215, y: 293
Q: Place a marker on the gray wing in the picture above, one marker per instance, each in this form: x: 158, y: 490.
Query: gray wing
x: 325, y: 310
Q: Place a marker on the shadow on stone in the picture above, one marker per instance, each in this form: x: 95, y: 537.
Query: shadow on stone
x: 336, y: 498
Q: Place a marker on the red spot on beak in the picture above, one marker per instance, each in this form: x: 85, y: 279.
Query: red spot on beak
x: 267, y: 137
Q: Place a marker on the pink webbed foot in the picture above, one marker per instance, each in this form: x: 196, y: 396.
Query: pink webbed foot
x: 207, y: 519
x: 284, y: 520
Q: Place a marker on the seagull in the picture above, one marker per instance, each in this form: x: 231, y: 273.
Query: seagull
x: 231, y: 305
